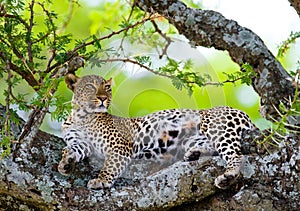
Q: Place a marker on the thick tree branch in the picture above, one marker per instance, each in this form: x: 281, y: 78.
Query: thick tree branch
x: 296, y: 5
x: 211, y: 29
x: 30, y: 180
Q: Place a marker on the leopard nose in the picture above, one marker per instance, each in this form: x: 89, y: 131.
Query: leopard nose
x: 102, y: 97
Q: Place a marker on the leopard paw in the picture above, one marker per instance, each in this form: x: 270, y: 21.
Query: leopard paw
x: 196, y: 152
x: 98, y: 184
x: 67, y: 163
x: 225, y: 180
x: 192, y: 155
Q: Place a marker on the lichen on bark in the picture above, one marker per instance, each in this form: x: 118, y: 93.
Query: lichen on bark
x: 209, y: 28
x: 29, y: 179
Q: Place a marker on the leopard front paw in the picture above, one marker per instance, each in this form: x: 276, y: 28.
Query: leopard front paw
x: 98, y: 184
x: 225, y: 180
x: 67, y: 163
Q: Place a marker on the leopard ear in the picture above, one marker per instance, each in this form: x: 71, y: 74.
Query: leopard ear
x: 109, y: 81
x: 70, y: 80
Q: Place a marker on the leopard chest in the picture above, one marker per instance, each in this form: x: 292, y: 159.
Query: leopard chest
x: 100, y: 134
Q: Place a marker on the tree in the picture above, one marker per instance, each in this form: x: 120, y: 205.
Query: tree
x: 29, y: 176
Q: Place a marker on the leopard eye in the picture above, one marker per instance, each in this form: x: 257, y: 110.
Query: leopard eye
x: 90, y: 86
x: 90, y: 89
x: 107, y: 86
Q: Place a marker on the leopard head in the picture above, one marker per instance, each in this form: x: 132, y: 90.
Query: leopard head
x: 91, y: 93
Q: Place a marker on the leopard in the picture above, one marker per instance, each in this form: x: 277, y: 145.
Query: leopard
x: 91, y: 129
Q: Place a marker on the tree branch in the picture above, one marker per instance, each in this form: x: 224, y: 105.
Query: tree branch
x: 7, y: 100
x: 53, y: 30
x: 31, y: 179
x: 3, y: 13
x: 150, y: 17
x: 36, y: 116
x: 29, y: 32
x: 74, y: 52
x: 68, y: 17
x: 170, y: 76
x: 168, y: 39
x: 296, y: 5
x: 132, y: 61
x: 211, y: 29
x: 29, y: 78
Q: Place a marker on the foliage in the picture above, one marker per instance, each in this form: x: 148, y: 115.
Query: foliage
x: 36, y: 47
x: 285, y: 45
x: 98, y: 17
x: 32, y: 53
x: 289, y: 114
x: 289, y: 121
x: 183, y: 76
x: 245, y: 76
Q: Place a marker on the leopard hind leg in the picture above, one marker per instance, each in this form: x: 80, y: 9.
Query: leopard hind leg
x: 234, y: 160
x: 197, y: 146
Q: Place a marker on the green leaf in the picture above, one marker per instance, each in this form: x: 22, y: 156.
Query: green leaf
x: 145, y: 60
x: 285, y: 45
x: 96, y: 42
x: 177, y: 83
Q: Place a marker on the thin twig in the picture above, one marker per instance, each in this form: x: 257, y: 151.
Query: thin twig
x: 6, y: 15
x: 73, y: 52
x: 29, y: 32
x: 151, y: 17
x: 41, y: 38
x: 7, y: 100
x: 125, y: 33
x: 69, y: 16
x: 159, y: 73
x: 54, y: 37
x: 136, y: 63
x: 168, y: 39
x: 21, y: 57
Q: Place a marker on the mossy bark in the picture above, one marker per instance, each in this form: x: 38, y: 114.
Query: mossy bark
x: 29, y: 180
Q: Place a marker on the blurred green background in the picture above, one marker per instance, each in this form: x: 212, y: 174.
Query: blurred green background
x: 137, y: 92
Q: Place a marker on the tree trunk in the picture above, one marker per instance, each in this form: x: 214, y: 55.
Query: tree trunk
x: 29, y: 179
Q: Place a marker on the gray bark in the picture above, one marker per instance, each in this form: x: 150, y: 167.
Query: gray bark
x: 29, y: 180
x: 211, y: 29
x: 296, y: 5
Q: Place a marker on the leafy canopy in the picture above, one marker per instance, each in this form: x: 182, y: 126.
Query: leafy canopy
x: 35, y: 47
